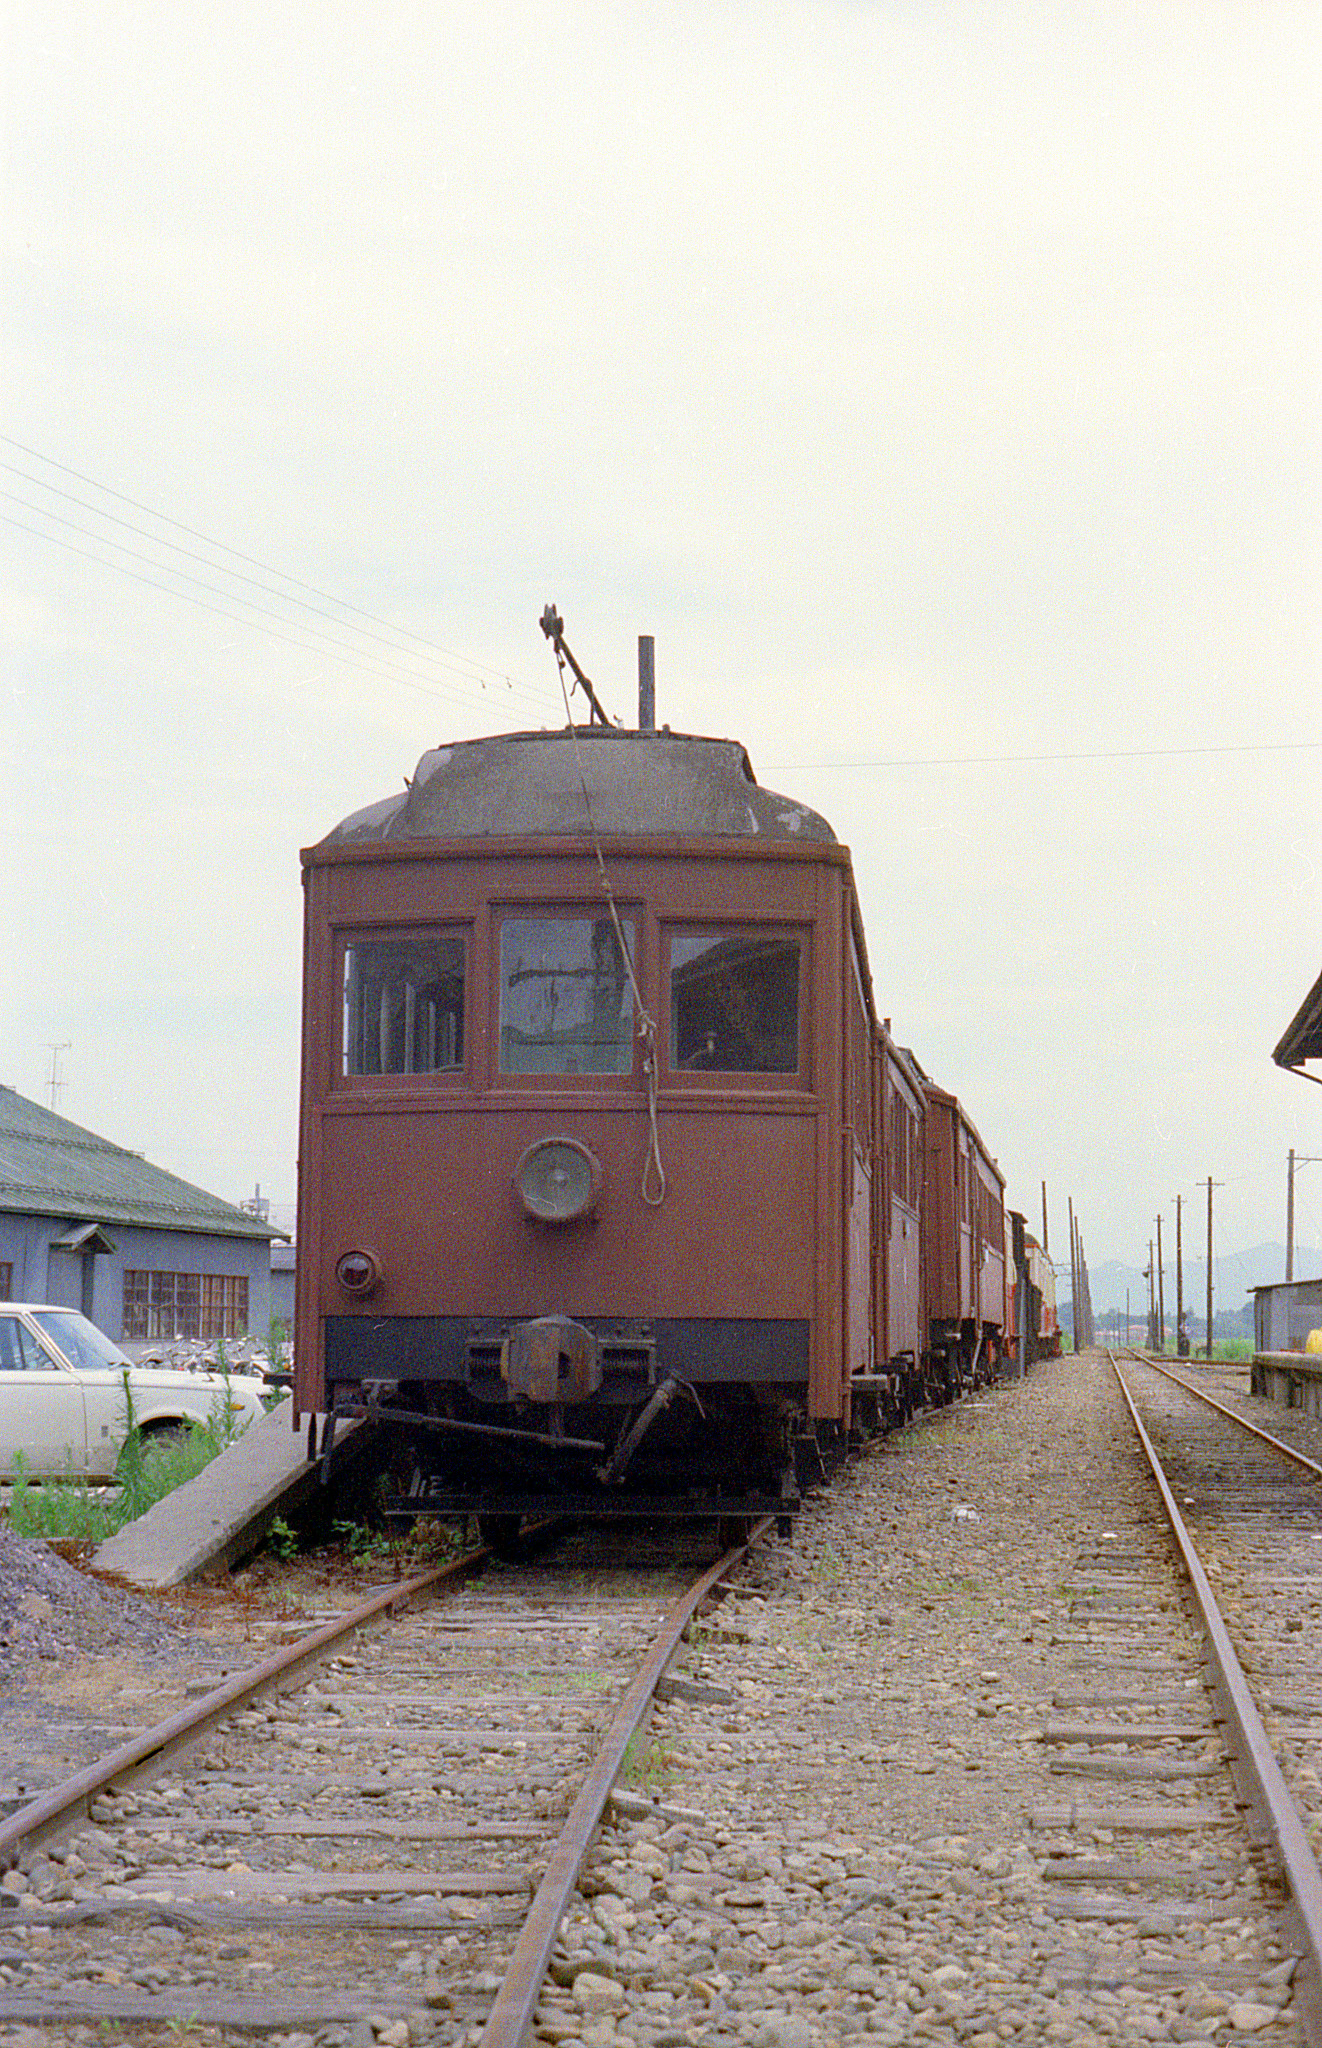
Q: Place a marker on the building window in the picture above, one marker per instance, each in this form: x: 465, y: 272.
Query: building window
x: 404, y: 1004
x: 185, y: 1304
x: 566, y: 1006
x: 6, y: 1279
x: 734, y: 1002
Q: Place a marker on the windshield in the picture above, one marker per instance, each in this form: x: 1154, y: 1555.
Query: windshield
x: 566, y: 1006
x: 81, y: 1342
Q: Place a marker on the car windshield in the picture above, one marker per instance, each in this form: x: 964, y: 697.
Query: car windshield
x: 80, y: 1341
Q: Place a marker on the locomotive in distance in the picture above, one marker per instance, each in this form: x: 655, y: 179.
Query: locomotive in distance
x: 616, y: 1194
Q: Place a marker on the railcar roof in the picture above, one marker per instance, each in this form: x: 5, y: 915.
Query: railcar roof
x: 532, y: 784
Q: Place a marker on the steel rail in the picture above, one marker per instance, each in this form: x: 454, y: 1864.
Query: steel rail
x: 1253, y: 1762
x: 1263, y: 1435
x: 49, y: 1812
x: 510, y: 2021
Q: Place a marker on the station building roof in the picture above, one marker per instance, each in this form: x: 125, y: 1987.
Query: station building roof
x: 568, y: 784
x: 1303, y: 1035
x: 51, y: 1167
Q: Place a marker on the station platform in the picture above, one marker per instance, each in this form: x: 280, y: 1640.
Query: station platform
x: 223, y: 1515
x: 1293, y: 1379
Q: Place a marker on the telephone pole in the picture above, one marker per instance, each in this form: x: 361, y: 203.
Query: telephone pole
x: 1179, y: 1278
x: 1046, y: 1248
x: 1161, y: 1291
x: 1209, y: 1265
x: 1074, y: 1277
x: 1296, y: 1159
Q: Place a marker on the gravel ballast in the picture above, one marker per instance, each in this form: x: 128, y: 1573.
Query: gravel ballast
x: 845, y: 1835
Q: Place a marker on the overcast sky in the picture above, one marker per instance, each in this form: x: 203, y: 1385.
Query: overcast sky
x: 939, y: 385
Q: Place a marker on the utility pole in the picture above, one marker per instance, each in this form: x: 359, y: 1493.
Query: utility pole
x: 1046, y: 1248
x: 1209, y: 1265
x: 1151, y: 1277
x: 1074, y: 1278
x: 1126, y: 1318
x: 1179, y: 1277
x: 1297, y: 1159
x: 1161, y: 1291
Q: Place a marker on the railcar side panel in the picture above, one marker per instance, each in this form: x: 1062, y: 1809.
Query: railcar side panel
x: 903, y: 1124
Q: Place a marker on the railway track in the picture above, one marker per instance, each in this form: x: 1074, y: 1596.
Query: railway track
x: 1164, y: 1702
x: 372, y: 1835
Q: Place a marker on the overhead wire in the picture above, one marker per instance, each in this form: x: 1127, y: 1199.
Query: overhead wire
x: 379, y: 655
x: 348, y: 659
x: 365, y: 658
x: 194, y: 533
x: 1041, y: 760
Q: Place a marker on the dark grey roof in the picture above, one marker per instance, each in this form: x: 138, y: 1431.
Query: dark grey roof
x: 530, y: 783
x: 50, y: 1167
x: 1303, y: 1035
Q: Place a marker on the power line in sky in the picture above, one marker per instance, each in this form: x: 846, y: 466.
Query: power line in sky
x: 1041, y: 760
x: 480, y: 677
x: 355, y: 661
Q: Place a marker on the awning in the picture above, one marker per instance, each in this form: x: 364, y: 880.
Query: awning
x: 84, y: 1237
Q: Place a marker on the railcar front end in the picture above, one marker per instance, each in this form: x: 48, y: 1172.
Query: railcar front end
x: 572, y: 1225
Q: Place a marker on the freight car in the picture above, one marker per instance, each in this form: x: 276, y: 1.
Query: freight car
x: 612, y: 1184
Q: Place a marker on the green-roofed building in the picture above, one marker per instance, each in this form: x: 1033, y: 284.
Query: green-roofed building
x: 147, y: 1256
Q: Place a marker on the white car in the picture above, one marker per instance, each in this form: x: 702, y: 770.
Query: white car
x: 63, y: 1408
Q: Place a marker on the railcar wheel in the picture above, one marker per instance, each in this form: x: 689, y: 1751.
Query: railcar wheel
x: 732, y: 1532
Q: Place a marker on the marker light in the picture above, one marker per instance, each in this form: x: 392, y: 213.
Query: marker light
x: 359, y: 1273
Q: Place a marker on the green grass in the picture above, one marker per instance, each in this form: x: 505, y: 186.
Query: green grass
x: 72, y: 1511
x: 648, y: 1764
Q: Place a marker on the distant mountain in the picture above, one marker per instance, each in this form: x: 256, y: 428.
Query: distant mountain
x: 1234, y: 1274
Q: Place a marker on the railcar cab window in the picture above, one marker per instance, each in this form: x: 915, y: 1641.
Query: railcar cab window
x: 404, y: 1003
x: 734, y: 1002
x: 566, y: 1004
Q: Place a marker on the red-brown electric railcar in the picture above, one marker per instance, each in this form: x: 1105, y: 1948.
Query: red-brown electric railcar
x: 963, y: 1245
x: 595, y: 1162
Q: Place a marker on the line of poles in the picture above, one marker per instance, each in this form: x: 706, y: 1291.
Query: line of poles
x: 1155, y: 1270
x: 1155, y: 1275
x: 1085, y: 1330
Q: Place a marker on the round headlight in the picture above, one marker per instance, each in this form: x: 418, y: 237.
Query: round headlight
x: 557, y: 1180
x: 359, y: 1273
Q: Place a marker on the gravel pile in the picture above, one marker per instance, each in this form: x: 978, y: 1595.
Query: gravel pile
x: 49, y: 1610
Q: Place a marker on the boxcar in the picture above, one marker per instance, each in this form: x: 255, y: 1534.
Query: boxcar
x: 597, y: 1203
